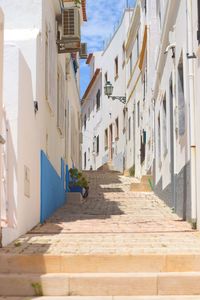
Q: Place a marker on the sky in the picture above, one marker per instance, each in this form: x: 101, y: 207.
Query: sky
x: 103, y: 17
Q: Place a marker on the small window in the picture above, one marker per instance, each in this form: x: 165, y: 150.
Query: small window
x: 129, y: 128
x: 181, y: 97
x: 116, y: 68
x: 164, y: 119
x: 138, y: 113
x: 117, y: 129
x: 106, y: 77
x: 88, y: 113
x: 124, y: 120
x: 123, y: 55
x: 98, y: 99
x: 85, y: 160
x: 85, y: 121
x: 97, y: 145
x: 131, y: 64
x: 198, y: 10
x: 138, y: 44
x: 159, y: 141
x: 106, y: 139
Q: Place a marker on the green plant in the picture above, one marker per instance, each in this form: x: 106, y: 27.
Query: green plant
x: 78, y: 179
x: 17, y: 243
x: 132, y: 171
x: 37, y: 288
x: 77, y: 2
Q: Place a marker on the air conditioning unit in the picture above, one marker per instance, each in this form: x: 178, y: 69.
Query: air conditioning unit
x: 69, y: 35
x: 71, y: 24
x: 83, y: 51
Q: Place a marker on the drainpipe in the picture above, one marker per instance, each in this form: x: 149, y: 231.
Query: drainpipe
x: 191, y: 56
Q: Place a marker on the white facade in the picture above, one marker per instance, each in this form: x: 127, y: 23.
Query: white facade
x: 1, y: 104
x: 103, y: 122
x: 35, y: 72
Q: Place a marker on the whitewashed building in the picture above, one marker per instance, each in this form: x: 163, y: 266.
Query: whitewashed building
x: 194, y: 48
x: 1, y: 104
x: 172, y: 94
x: 103, y: 120
x: 41, y: 109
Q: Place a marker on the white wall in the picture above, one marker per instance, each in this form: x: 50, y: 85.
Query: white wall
x: 1, y: 105
x: 29, y: 133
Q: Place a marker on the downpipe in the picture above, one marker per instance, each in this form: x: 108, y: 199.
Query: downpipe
x: 192, y: 118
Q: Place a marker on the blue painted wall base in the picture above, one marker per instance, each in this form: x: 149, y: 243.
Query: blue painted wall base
x: 53, y: 194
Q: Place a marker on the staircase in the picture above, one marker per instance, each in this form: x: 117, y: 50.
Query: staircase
x: 107, y: 167
x: 100, y: 275
x: 116, y: 245
x: 144, y: 185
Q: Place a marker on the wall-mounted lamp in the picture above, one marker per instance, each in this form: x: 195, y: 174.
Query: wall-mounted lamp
x: 108, y: 90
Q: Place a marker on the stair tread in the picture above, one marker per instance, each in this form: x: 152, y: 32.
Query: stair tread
x: 188, y: 297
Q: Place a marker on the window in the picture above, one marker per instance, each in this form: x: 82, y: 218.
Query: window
x: 88, y: 113
x: 60, y: 100
x: 116, y: 68
x: 138, y: 113
x: 85, y: 160
x: 158, y: 8
x: 129, y: 128
x: 159, y: 141
x: 98, y: 96
x: 117, y: 129
x: 97, y: 144
x: 145, y: 83
x: 124, y: 120
x: 131, y: 64
x: 85, y: 121
x: 181, y: 97
x: 198, y: 10
x: 50, y: 67
x: 106, y: 139
x: 138, y: 45
x: 106, y: 77
x: 164, y: 126
x: 123, y: 55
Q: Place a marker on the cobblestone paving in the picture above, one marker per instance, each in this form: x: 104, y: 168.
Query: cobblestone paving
x: 111, y: 220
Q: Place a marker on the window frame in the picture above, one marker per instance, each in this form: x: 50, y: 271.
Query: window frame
x: 116, y: 67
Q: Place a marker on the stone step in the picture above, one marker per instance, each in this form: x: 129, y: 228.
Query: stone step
x: 146, y: 178
x: 104, y: 298
x: 104, y: 284
x: 38, y: 264
x: 140, y: 187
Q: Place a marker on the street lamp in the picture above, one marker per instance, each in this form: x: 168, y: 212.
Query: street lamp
x: 108, y: 90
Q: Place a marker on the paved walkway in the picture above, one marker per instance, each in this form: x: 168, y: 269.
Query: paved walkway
x: 111, y: 220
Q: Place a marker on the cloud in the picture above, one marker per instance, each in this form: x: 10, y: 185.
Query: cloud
x: 103, y: 16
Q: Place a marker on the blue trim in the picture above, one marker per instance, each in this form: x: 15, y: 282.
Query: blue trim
x: 67, y: 178
x: 53, y: 193
x: 76, y: 189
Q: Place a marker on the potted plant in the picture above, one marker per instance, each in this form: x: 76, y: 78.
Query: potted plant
x: 78, y: 182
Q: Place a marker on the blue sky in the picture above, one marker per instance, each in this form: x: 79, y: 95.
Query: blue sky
x: 103, y: 17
